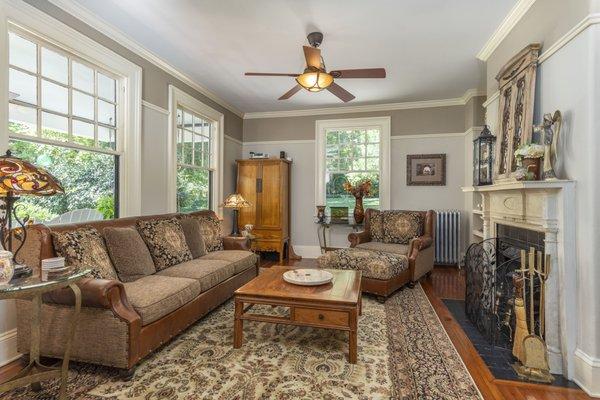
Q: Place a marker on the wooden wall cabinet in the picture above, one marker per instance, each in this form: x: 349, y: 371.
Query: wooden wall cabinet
x: 265, y: 183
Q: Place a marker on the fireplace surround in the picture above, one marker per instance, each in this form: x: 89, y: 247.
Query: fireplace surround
x: 547, y: 208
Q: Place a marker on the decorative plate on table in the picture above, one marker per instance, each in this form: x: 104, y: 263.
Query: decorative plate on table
x: 307, y: 277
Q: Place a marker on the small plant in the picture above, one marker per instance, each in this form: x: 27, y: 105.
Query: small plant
x: 530, y: 150
x: 360, y: 189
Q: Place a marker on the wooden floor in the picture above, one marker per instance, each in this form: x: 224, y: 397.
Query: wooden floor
x: 446, y: 283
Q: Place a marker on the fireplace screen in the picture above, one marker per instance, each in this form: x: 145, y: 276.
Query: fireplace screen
x: 490, y: 266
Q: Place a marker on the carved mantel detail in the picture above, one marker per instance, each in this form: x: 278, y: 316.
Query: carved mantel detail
x: 549, y: 207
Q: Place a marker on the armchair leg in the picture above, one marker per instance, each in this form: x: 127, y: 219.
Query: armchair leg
x: 127, y: 374
x: 381, y: 299
x: 411, y: 284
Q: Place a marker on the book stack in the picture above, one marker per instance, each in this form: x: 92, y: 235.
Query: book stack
x: 53, y: 268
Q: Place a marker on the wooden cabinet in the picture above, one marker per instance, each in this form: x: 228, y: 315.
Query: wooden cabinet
x: 266, y: 185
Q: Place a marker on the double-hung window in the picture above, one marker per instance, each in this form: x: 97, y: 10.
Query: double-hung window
x: 64, y: 116
x: 353, y: 150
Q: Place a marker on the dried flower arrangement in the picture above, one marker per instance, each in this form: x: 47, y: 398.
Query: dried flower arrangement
x: 360, y: 189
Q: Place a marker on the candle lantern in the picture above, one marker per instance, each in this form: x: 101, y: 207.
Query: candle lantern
x: 483, y: 151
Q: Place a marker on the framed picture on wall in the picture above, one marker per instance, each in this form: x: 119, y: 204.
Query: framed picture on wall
x: 426, y: 170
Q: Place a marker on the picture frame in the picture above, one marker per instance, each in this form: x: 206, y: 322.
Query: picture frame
x: 426, y: 170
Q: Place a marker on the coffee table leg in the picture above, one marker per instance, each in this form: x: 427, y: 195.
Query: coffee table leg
x: 353, y: 337
x: 238, y: 325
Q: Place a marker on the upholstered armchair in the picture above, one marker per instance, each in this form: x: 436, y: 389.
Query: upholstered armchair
x: 409, y: 233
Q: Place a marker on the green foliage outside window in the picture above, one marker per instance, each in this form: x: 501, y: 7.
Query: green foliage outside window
x: 88, y: 177
x: 193, y: 192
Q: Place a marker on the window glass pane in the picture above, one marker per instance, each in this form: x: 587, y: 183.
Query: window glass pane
x: 106, y: 87
x: 107, y: 138
x: 22, y: 120
x: 24, y: 85
x: 332, y: 137
x: 332, y: 151
x: 188, y: 120
x: 198, y: 149
x: 55, y: 97
x: 83, y: 133
x: 206, y: 159
x: 106, y: 113
x: 180, y: 145
x: 179, y: 117
x: 372, y: 164
x: 55, y: 66
x: 345, y: 164
x: 336, y: 195
x: 83, y: 77
x: 200, y: 126
x: 55, y: 127
x: 87, y: 177
x: 83, y: 105
x: 188, y: 148
x: 373, y: 135
x: 358, y: 164
x: 373, y: 150
x: 192, y: 189
x: 332, y: 164
x: 22, y: 52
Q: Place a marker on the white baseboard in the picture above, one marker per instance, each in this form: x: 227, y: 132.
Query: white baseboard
x: 587, y: 373
x: 307, y: 251
x: 8, y: 347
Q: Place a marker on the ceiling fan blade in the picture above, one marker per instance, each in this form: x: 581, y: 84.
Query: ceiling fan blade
x: 340, y: 92
x: 313, y: 56
x: 359, y: 73
x: 290, y: 92
x: 269, y: 74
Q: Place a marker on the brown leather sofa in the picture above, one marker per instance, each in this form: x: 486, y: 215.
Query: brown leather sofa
x: 112, y: 330
x: 419, y: 250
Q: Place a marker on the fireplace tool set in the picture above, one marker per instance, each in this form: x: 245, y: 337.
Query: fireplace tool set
x: 528, y: 347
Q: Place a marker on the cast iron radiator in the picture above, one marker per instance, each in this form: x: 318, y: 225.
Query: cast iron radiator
x: 447, y: 237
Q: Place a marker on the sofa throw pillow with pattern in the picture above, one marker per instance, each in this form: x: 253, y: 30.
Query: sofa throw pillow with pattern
x: 165, y: 240
x: 401, y: 226
x: 376, y: 225
x: 85, y: 248
x: 210, y: 228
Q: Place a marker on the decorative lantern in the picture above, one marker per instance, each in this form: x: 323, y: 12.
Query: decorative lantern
x: 483, y: 163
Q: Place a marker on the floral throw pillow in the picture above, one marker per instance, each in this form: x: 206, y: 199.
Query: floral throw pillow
x: 166, y: 241
x: 85, y: 248
x: 401, y: 226
x: 376, y: 225
x: 210, y: 228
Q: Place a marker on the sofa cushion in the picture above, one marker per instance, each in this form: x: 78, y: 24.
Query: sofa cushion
x: 210, y: 228
x: 85, y: 248
x: 155, y: 296
x: 376, y: 225
x: 241, y: 259
x: 373, y: 264
x: 386, y: 247
x: 166, y: 241
x: 401, y: 226
x: 193, y: 236
x: 207, y: 273
x: 129, y: 253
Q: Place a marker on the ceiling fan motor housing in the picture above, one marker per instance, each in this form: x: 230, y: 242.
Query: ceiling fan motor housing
x: 315, y: 39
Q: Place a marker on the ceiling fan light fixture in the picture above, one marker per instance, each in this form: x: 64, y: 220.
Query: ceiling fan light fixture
x: 314, y: 80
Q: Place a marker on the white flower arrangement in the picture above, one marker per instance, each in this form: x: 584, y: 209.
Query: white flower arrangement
x: 530, y: 150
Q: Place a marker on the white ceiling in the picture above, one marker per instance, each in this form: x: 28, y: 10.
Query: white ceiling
x: 428, y: 47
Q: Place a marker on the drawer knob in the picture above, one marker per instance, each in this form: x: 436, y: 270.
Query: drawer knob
x: 321, y: 317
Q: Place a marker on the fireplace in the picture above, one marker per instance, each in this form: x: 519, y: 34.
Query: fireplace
x: 490, y: 267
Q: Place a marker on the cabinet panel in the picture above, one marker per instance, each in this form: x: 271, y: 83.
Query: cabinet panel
x: 248, y: 174
x: 270, y: 196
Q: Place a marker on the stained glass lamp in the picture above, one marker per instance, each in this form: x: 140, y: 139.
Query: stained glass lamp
x: 235, y: 201
x: 20, y: 178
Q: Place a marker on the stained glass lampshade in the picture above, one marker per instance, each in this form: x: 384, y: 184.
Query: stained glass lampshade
x: 19, y: 177
x: 235, y: 201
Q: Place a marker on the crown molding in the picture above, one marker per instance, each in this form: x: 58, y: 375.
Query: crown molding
x: 589, y: 20
x: 502, y: 31
x: 457, y: 101
x: 97, y: 23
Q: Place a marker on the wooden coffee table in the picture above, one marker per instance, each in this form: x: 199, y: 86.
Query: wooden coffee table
x: 335, y: 305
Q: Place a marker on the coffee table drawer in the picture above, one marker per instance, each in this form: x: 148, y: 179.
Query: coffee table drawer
x: 321, y: 317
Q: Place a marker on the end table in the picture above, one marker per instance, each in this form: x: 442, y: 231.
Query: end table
x: 33, y: 288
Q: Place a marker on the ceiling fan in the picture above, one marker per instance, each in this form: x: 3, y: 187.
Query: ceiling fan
x: 315, y: 76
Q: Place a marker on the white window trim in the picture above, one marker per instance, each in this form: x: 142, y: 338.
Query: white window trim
x: 181, y: 98
x: 384, y: 124
x: 38, y: 23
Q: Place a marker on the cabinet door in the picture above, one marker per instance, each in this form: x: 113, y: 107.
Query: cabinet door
x: 270, y: 195
x: 247, y: 182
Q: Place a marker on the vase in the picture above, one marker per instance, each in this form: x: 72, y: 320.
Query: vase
x: 359, y: 211
x: 533, y: 165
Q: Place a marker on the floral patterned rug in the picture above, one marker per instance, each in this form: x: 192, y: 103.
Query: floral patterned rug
x: 404, y: 353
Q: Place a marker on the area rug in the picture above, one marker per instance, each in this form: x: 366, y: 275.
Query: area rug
x: 403, y: 354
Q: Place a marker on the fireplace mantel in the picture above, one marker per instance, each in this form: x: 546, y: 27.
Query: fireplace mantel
x: 549, y: 207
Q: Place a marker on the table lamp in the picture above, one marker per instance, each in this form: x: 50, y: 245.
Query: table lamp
x: 20, y: 178
x: 235, y: 201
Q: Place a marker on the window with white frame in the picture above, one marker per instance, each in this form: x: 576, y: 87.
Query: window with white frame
x: 64, y: 115
x: 353, y: 150
x: 194, y: 161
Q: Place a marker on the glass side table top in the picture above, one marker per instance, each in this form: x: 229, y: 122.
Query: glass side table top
x: 35, y: 283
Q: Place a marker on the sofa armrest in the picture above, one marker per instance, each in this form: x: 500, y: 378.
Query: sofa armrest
x: 357, y: 238
x: 419, y: 243
x: 98, y: 293
x: 236, y: 243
